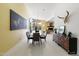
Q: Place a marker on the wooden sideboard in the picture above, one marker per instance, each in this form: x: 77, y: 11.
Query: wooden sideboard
x: 69, y: 44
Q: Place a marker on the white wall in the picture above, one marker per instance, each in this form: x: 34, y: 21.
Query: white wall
x: 48, y: 11
x: 73, y: 23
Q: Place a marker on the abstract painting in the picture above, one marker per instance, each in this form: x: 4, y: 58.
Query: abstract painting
x: 17, y: 21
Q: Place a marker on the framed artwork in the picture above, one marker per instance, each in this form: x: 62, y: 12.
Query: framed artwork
x: 17, y: 21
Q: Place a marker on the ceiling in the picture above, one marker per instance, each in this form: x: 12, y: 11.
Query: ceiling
x: 41, y: 10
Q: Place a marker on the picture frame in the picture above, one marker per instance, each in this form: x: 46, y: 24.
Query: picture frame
x: 17, y: 21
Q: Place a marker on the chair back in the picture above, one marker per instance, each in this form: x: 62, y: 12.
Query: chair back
x: 27, y: 34
x: 36, y: 36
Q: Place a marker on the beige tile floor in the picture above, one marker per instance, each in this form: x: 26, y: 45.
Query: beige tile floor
x: 48, y: 48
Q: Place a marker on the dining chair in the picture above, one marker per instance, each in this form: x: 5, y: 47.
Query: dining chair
x: 36, y: 38
x: 28, y: 36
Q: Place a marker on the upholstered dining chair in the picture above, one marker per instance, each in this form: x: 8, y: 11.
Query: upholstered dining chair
x: 43, y: 36
x: 36, y: 37
x: 28, y: 36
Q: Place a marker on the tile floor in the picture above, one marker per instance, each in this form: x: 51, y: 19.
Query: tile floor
x: 48, y: 48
